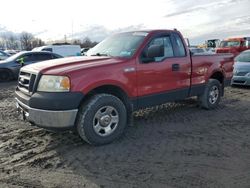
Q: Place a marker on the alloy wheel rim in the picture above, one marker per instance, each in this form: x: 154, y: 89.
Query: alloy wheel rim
x: 105, y: 121
x: 213, y: 94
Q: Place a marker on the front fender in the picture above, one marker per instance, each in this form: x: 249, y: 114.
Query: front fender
x: 114, y: 83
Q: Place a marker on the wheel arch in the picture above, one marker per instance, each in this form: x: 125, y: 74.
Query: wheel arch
x: 218, y: 75
x: 112, y: 90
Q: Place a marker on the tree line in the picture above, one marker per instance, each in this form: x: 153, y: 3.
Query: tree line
x: 85, y: 43
x: 27, y: 41
x: 22, y: 41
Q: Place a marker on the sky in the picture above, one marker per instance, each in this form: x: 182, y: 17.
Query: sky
x: 198, y: 20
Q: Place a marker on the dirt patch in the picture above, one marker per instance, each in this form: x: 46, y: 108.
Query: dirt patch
x: 172, y: 145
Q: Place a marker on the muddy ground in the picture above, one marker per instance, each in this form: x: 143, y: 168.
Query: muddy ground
x: 175, y: 145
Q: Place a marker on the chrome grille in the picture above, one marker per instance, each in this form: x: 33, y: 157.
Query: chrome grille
x: 26, y: 82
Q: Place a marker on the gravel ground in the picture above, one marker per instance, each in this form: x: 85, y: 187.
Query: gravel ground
x: 172, y: 145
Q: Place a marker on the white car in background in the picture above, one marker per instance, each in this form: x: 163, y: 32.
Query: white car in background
x: 63, y: 50
x: 11, y: 52
x: 84, y: 51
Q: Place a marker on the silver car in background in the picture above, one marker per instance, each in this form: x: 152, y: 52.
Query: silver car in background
x: 241, y: 73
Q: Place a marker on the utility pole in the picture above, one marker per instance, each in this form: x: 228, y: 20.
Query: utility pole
x: 65, y: 39
x: 72, y: 30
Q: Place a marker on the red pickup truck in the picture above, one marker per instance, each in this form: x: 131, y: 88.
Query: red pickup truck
x: 97, y: 94
x: 234, y: 45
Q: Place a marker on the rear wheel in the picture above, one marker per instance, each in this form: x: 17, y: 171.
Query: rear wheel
x: 102, y: 119
x: 212, y: 94
x: 5, y: 75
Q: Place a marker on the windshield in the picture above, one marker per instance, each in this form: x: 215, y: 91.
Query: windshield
x: 230, y: 44
x: 243, y: 57
x: 120, y: 45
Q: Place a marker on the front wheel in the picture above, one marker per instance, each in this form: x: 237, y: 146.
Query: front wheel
x: 212, y: 94
x: 101, y: 119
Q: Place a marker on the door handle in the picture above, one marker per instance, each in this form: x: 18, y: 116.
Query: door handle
x: 175, y: 67
x: 129, y: 69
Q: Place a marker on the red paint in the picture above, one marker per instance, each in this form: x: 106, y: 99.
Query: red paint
x: 235, y: 50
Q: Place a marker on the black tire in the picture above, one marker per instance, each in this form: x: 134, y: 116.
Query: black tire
x: 212, y: 94
x: 5, y: 75
x: 93, y: 117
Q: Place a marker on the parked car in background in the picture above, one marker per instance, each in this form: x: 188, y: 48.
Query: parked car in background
x: 84, y: 51
x: 241, y: 73
x: 234, y: 45
x: 212, y: 43
x: 11, y: 52
x: 3, y: 55
x: 63, y: 50
x: 9, y: 68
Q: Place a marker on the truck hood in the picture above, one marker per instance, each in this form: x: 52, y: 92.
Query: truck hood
x: 69, y: 64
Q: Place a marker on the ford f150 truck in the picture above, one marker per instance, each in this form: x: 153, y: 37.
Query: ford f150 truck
x: 97, y: 94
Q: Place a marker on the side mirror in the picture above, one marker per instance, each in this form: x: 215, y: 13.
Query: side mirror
x: 155, y: 51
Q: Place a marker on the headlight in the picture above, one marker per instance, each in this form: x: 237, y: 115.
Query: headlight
x: 248, y: 74
x: 50, y: 83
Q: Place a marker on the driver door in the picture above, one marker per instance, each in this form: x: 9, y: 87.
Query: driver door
x: 165, y: 78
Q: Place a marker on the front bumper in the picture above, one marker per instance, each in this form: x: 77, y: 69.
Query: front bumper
x: 49, y: 110
x: 47, y: 118
x: 240, y: 80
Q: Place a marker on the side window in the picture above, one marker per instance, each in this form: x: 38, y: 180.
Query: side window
x: 55, y: 56
x: 180, y: 49
x: 42, y: 57
x: 168, y: 49
x: 27, y: 58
